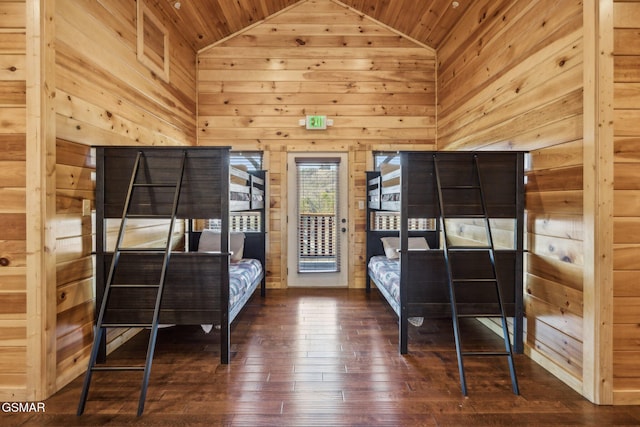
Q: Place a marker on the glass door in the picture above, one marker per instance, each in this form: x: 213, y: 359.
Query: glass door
x: 317, y: 219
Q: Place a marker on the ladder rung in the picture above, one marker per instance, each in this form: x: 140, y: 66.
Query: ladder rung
x: 141, y: 250
x: 127, y: 325
x: 460, y: 187
x: 148, y: 216
x: 118, y: 368
x: 474, y: 280
x: 162, y: 184
x: 486, y: 353
x: 463, y: 216
x: 480, y: 315
x: 134, y: 286
x: 469, y: 248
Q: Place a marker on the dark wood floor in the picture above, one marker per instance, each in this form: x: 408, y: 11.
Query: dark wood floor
x: 322, y: 358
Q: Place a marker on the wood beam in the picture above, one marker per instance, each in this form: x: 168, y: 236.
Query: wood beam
x: 40, y: 199
x: 597, y: 384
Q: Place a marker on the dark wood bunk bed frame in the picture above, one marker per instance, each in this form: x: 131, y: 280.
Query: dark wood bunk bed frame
x: 194, y: 285
x: 424, y: 276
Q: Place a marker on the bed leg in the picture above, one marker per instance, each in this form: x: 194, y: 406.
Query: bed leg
x: 518, y: 327
x: 403, y: 325
x: 225, y: 331
x: 224, y: 344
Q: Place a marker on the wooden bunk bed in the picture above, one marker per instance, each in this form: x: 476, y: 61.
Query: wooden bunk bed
x: 177, y: 284
x: 441, y: 278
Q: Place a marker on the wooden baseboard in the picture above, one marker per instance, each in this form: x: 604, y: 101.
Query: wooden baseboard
x: 16, y: 394
x: 555, y: 370
x: 626, y: 397
x: 544, y: 361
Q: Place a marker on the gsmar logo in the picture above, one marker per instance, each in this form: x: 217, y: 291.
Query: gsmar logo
x: 23, y: 407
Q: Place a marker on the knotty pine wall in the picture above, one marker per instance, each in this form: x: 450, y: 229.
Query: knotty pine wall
x: 317, y: 57
x: 13, y: 329
x: 510, y: 76
x: 104, y: 96
x: 75, y: 166
x: 626, y: 255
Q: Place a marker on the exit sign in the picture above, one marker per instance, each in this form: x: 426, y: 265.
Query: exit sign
x: 316, y: 122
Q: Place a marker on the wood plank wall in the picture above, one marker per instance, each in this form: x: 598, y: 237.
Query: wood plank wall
x: 104, y: 96
x: 626, y: 256
x: 75, y: 165
x: 13, y: 332
x: 510, y: 77
x: 317, y: 57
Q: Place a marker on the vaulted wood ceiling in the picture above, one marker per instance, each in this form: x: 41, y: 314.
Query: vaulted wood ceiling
x: 204, y: 22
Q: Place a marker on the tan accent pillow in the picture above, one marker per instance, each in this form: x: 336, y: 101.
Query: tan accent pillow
x: 210, y: 242
x: 392, y: 244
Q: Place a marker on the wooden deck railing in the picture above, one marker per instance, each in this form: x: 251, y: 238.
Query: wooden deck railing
x: 317, y: 235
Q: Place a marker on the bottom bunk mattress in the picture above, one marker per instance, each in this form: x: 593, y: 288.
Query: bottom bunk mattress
x: 385, y: 273
x: 244, y: 277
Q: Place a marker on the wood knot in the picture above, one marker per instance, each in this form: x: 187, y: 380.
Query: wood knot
x: 4, y: 262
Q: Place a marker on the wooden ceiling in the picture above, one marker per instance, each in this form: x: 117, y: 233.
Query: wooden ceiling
x: 204, y: 22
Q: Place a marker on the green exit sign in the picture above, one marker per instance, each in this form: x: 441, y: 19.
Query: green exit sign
x: 316, y: 122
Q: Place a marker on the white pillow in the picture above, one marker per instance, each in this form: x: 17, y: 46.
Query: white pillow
x: 392, y: 244
x: 210, y: 242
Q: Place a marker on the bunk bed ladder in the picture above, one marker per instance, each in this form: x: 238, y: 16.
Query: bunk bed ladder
x: 165, y: 252
x: 453, y: 273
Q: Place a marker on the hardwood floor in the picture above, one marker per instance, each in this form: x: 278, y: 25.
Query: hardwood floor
x: 322, y: 358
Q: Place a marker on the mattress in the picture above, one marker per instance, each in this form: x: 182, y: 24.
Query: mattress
x: 385, y: 273
x: 242, y: 275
